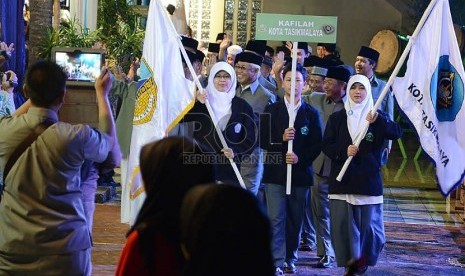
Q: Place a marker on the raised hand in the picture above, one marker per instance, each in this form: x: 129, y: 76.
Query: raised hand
x: 104, y: 82
x: 226, y: 42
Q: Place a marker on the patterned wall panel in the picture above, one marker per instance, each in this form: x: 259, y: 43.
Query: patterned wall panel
x: 239, y: 18
x: 242, y: 23
x: 193, y: 16
x: 256, y: 8
x: 229, y: 6
x: 242, y: 12
x: 199, y: 18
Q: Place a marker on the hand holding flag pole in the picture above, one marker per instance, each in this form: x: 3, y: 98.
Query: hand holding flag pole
x: 394, y: 73
x: 200, y: 88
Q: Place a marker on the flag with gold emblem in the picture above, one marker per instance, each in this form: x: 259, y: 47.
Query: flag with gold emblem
x: 163, y: 98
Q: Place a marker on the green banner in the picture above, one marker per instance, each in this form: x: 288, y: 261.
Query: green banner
x: 301, y: 28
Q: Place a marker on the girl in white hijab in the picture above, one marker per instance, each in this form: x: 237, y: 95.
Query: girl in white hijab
x: 221, y: 90
x: 232, y: 115
x: 358, y: 103
x: 356, y: 202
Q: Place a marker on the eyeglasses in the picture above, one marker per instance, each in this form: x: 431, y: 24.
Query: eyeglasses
x: 242, y: 68
x: 226, y: 77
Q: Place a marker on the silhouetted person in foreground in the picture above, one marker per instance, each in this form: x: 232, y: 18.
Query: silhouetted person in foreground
x: 224, y: 232
x: 168, y: 172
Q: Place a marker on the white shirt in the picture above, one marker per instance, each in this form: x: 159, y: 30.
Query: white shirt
x: 296, y: 107
x: 358, y: 199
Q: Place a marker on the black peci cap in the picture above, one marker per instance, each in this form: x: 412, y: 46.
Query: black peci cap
x: 189, y: 44
x: 330, y: 47
x: 256, y: 46
x: 369, y: 53
x: 250, y: 58
x: 316, y: 61
x: 338, y: 73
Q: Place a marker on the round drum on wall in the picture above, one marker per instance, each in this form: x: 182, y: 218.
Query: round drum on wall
x: 390, y: 46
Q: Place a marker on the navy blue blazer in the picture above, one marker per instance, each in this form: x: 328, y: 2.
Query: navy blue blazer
x: 307, y: 143
x: 240, y: 135
x: 363, y: 176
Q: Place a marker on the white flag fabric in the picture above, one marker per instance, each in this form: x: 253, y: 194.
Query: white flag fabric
x: 163, y: 98
x: 431, y: 96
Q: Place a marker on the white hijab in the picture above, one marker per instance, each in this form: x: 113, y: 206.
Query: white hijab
x: 221, y: 101
x: 357, y: 113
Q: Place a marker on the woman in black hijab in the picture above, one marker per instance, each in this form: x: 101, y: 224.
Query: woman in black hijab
x: 168, y: 170
x: 224, y: 232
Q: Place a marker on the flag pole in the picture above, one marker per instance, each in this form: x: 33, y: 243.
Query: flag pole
x: 291, y: 112
x: 394, y: 73
x: 200, y: 88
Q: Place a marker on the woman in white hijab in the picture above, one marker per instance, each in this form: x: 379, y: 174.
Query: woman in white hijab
x: 232, y: 115
x: 356, y: 203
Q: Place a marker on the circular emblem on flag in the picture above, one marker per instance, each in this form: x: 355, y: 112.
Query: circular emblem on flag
x: 446, y: 90
x: 146, y: 101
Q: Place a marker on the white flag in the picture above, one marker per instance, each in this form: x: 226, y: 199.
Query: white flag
x: 431, y: 95
x: 163, y: 98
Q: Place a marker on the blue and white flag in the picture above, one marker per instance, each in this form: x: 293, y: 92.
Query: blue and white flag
x: 163, y: 98
x: 431, y: 95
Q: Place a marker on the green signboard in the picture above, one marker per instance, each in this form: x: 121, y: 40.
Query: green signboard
x: 303, y: 28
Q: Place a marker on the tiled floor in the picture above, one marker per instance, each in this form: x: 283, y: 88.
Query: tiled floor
x: 419, y: 206
x: 425, y: 232
x: 407, y: 205
x: 424, y: 236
